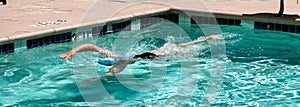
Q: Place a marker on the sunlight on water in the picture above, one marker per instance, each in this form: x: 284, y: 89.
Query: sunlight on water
x: 262, y: 69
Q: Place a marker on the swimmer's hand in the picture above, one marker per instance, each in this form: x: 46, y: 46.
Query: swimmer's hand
x: 113, y: 70
x: 90, y: 80
x: 85, y: 82
x: 106, y: 74
x: 213, y: 37
x: 118, y: 67
x: 68, y: 55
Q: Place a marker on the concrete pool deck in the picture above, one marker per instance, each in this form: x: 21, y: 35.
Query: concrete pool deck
x: 25, y: 18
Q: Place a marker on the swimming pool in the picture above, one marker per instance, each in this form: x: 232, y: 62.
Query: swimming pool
x: 262, y: 69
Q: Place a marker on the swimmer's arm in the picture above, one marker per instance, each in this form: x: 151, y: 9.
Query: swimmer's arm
x: 198, y: 41
x: 119, y: 67
x: 111, y: 71
x: 86, y: 47
x: 115, y: 69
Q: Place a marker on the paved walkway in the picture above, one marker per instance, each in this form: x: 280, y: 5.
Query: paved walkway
x: 27, y: 16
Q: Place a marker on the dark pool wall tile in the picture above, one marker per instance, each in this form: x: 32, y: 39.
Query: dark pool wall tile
x: 52, y: 39
x: 297, y: 29
x: 261, y: 25
x: 47, y: 40
x: 237, y: 22
x: 257, y: 25
x: 11, y: 47
x: 41, y: 42
x: 4, y: 49
x: 203, y: 20
x: 125, y: 26
x: 99, y: 30
x: 230, y: 21
x: 69, y: 37
x: 145, y: 22
x: 64, y: 37
x: 285, y: 28
x: 194, y: 19
x: 148, y: 21
x: 34, y: 42
x: 278, y: 27
x: 224, y: 21
x: 44, y: 41
x: 58, y: 38
x: 212, y: 20
x: 7, y: 48
x: 170, y: 17
x: 29, y: 43
x: 292, y: 28
x: 264, y: 25
x: 219, y: 20
x: 271, y: 26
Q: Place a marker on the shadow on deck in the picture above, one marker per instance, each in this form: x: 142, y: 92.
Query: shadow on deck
x: 272, y: 16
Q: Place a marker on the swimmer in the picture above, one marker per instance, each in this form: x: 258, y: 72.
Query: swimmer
x: 119, y: 63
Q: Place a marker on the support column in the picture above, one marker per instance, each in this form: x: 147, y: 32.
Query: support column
x: 281, y: 10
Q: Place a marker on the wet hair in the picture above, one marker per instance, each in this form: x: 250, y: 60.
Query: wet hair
x: 146, y: 55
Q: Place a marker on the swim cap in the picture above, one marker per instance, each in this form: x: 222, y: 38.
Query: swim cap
x: 146, y: 55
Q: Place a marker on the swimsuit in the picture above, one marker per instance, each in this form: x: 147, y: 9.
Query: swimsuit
x: 109, y: 61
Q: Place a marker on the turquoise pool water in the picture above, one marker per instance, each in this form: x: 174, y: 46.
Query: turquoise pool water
x: 262, y: 69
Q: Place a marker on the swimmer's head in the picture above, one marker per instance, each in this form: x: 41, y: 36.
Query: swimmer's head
x: 146, y: 55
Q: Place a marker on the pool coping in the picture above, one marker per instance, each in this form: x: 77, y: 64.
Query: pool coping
x: 148, y: 12
x: 81, y: 25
